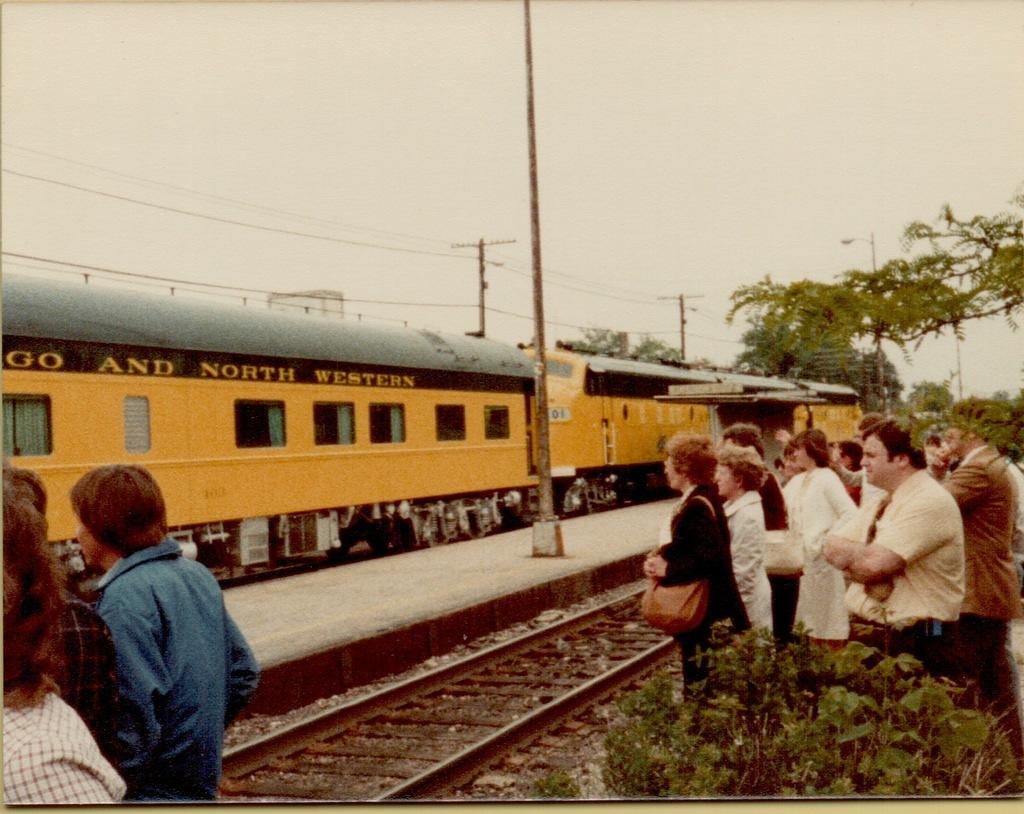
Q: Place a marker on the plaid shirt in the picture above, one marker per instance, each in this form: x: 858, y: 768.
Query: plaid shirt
x: 50, y: 758
x: 89, y: 682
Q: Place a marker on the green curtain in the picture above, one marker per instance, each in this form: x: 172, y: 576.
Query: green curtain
x: 26, y: 426
x: 275, y: 418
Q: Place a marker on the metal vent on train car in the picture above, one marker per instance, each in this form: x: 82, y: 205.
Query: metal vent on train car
x: 310, y: 532
x: 254, y: 540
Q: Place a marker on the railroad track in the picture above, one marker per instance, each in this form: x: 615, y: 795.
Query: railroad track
x: 426, y: 736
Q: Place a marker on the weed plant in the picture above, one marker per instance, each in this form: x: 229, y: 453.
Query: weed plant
x: 805, y: 721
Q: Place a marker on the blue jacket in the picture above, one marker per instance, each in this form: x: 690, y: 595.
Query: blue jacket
x: 184, y: 670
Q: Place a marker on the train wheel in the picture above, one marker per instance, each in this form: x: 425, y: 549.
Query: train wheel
x: 448, y: 518
x: 425, y: 524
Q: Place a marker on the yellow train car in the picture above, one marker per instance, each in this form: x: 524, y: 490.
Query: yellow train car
x: 607, y: 429
x: 273, y: 436
x: 280, y: 437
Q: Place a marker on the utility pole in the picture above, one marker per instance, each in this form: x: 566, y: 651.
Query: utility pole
x: 547, y: 534
x: 483, y: 283
x: 682, y: 320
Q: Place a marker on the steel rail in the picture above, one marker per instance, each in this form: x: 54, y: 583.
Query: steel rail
x: 248, y: 757
x: 461, y: 766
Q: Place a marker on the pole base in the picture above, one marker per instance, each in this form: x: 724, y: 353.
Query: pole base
x: 547, y: 538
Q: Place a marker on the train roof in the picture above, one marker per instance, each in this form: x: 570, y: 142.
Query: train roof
x: 745, y: 383
x: 68, y: 311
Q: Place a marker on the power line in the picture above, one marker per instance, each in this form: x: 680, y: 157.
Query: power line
x: 222, y: 199
x: 231, y: 220
x: 178, y: 281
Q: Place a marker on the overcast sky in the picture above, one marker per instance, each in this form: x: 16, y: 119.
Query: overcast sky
x: 684, y: 147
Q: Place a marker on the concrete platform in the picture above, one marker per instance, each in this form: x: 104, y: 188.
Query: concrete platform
x: 320, y: 633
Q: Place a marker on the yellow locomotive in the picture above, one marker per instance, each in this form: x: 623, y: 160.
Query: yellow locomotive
x: 281, y: 437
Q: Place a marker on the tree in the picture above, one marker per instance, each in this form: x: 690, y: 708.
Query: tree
x: 602, y: 342
x: 778, y: 351
x: 930, y: 397
x: 605, y: 342
x: 969, y: 269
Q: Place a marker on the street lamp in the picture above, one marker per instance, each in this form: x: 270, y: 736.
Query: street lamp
x: 879, y: 365
x: 846, y: 241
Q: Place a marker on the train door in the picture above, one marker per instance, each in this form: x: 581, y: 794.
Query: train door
x: 609, y: 432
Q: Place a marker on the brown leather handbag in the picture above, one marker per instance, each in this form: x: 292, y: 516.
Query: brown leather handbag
x: 675, y: 608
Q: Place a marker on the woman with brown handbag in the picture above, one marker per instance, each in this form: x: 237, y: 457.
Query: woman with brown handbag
x: 698, y: 548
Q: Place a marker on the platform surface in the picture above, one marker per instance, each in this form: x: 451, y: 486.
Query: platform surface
x: 293, y: 617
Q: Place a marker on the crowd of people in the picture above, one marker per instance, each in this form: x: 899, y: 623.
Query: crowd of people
x: 126, y: 697
x: 909, y: 546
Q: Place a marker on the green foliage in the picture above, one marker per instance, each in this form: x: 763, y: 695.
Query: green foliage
x: 806, y: 721
x: 558, y: 785
x: 605, y: 342
x: 963, y: 270
x: 999, y: 422
x: 780, y: 351
x: 930, y: 397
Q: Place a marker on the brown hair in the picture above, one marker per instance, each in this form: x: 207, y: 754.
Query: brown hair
x: 744, y: 435
x: 815, y: 444
x: 32, y: 603
x: 896, y: 437
x: 745, y: 464
x: 692, y: 456
x: 121, y: 505
x: 28, y: 485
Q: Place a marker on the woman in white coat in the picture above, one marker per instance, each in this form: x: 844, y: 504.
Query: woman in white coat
x: 739, y: 474
x: 816, y: 501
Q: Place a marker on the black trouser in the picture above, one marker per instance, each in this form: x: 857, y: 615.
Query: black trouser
x: 985, y: 668
x: 931, y: 642
x: 695, y: 665
x: 785, y: 592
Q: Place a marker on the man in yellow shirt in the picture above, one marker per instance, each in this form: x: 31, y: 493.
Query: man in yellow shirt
x: 903, y: 554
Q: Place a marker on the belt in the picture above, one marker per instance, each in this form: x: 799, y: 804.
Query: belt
x: 925, y: 628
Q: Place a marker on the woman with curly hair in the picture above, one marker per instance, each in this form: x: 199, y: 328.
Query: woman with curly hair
x: 49, y: 755
x: 696, y: 546
x: 739, y: 475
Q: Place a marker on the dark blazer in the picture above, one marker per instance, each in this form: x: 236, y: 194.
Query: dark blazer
x: 774, y: 504
x: 699, y: 549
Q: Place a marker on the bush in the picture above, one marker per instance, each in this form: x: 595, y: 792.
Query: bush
x: 558, y: 785
x: 806, y: 721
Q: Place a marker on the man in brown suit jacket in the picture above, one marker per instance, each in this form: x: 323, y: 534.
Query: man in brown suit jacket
x: 987, y: 496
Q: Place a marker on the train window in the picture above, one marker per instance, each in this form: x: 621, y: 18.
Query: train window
x: 136, y: 424
x: 496, y: 422
x: 387, y: 423
x: 334, y: 423
x: 451, y: 422
x: 259, y: 423
x: 27, y: 425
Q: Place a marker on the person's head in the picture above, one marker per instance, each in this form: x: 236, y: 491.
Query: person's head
x: 790, y: 466
x: 690, y: 460
x: 866, y: 421
x: 120, y: 507
x: 744, y: 435
x: 890, y: 456
x: 28, y: 484
x: 936, y: 451
x: 32, y: 603
x: 850, y: 453
x: 739, y: 470
x: 966, y: 421
x: 811, y: 449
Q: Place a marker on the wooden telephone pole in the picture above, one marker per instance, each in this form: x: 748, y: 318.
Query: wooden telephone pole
x: 483, y: 283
